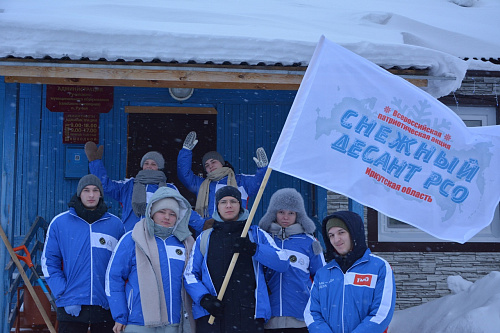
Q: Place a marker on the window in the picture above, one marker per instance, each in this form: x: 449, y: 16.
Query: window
x: 392, y: 230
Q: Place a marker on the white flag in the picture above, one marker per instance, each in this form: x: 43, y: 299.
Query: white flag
x: 358, y: 130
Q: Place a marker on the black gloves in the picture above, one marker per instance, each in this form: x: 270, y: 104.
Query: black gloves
x: 212, y: 305
x: 243, y: 245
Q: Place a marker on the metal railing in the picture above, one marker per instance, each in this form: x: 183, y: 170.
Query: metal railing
x: 33, y: 241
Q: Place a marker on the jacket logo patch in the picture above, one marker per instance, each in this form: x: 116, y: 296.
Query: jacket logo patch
x: 179, y: 252
x: 293, y: 258
x: 362, y: 280
x: 102, y: 240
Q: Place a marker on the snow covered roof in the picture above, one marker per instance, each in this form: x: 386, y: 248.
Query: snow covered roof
x: 427, y: 34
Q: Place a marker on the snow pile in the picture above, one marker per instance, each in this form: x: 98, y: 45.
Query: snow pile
x: 473, y: 308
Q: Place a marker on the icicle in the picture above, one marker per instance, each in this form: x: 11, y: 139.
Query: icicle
x: 474, y: 87
x: 496, y: 93
x: 456, y: 100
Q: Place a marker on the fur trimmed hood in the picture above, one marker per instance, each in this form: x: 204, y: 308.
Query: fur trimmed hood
x: 180, y: 229
x: 287, y: 199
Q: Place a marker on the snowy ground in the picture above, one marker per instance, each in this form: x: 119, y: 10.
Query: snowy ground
x: 471, y: 308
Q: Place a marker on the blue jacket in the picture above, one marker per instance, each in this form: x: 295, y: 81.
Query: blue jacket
x: 290, y: 289
x: 355, y: 293
x: 121, y: 190
x: 122, y: 284
x: 198, y: 281
x: 247, y: 184
x: 122, y: 278
x: 361, y: 300
x: 75, y: 257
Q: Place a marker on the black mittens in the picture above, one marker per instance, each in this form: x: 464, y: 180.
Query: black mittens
x: 212, y: 305
x: 243, y: 245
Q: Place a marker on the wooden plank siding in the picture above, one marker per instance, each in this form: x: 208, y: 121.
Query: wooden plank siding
x: 28, y: 144
x: 246, y: 120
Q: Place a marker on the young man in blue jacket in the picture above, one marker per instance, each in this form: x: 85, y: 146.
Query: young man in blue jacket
x: 77, y: 249
x: 245, y: 306
x: 355, y: 292
x: 219, y: 174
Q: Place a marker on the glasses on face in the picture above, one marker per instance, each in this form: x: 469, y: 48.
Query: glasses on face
x: 231, y: 202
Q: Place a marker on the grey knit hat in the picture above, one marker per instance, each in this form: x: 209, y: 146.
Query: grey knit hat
x: 287, y: 199
x: 155, y: 156
x: 89, y: 180
x: 212, y: 155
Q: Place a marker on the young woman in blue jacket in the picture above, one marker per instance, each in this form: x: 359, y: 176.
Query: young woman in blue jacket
x: 355, y: 292
x: 134, y: 193
x: 144, y: 276
x: 292, y: 230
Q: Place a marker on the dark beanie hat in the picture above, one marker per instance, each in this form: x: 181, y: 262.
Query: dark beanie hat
x: 89, y: 180
x: 212, y: 155
x: 155, y: 156
x: 336, y: 222
x: 228, y: 191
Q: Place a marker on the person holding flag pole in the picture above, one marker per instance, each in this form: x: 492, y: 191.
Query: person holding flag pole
x: 246, y: 306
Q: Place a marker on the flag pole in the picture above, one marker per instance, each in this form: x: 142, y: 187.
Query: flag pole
x: 243, y: 234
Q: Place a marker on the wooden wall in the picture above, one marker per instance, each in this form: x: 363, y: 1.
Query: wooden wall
x: 246, y: 120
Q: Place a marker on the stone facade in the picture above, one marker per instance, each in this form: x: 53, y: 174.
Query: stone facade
x: 474, y: 85
x: 422, y: 277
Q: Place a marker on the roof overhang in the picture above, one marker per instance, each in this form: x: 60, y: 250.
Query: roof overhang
x: 202, y: 76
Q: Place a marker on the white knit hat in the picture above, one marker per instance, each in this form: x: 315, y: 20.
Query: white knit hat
x: 167, y: 203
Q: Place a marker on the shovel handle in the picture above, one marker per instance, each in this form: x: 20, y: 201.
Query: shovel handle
x: 26, y: 258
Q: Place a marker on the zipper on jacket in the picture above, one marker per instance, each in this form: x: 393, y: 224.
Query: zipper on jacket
x: 91, y: 254
x: 281, y: 279
x: 91, y: 267
x: 343, y: 291
x: 343, y: 299
x: 171, y: 318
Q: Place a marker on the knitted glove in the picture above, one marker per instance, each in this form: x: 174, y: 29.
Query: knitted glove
x: 212, y: 305
x: 93, y: 153
x: 261, y: 159
x: 243, y: 245
x: 190, y: 141
x: 73, y: 310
